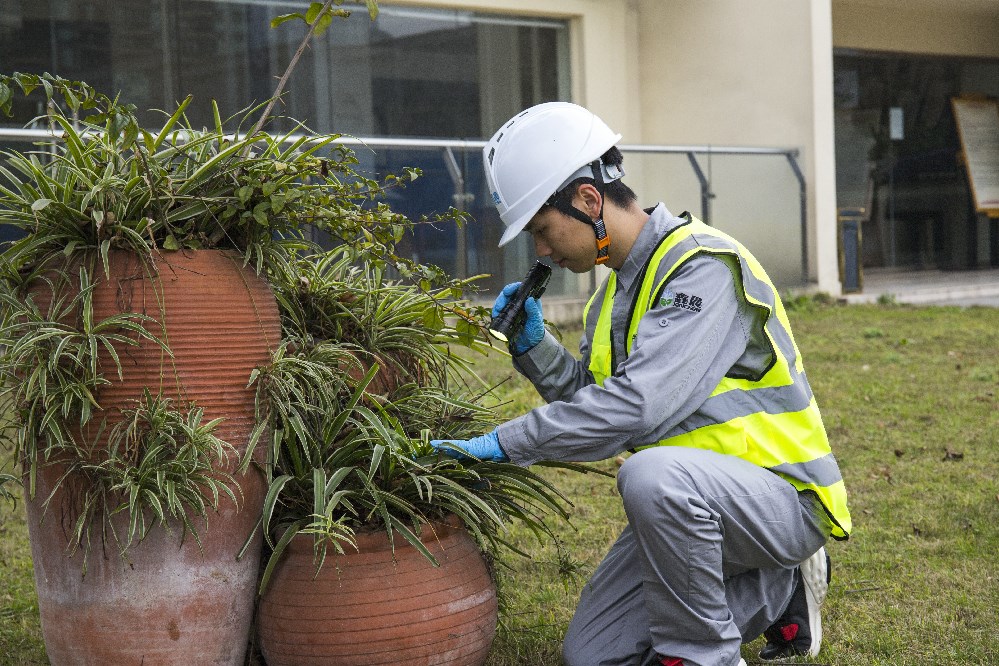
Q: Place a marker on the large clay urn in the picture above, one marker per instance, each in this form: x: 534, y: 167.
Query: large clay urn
x: 370, y: 607
x: 168, y: 601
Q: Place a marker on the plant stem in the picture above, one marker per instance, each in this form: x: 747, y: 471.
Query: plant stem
x: 287, y: 72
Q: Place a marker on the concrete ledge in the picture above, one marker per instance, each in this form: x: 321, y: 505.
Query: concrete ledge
x: 979, y: 287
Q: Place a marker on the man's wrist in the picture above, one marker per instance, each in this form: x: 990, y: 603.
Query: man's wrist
x: 499, y: 446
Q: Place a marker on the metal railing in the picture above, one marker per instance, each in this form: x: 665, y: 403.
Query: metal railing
x: 691, y: 152
x: 462, y: 198
x: 791, y: 154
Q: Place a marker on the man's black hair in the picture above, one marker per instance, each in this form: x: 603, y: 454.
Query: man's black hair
x: 622, y: 195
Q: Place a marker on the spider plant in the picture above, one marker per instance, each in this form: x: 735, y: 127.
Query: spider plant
x: 55, y: 358
x: 161, y: 466
x: 5, y: 492
x: 50, y: 367
x: 351, y: 452
x: 104, y: 184
x: 334, y: 297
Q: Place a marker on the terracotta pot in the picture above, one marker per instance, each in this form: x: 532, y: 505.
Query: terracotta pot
x: 366, y: 608
x: 169, y: 602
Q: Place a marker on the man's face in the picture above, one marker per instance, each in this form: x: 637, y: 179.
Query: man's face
x: 567, y: 241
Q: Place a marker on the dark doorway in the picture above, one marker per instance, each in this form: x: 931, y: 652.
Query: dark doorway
x: 898, y: 156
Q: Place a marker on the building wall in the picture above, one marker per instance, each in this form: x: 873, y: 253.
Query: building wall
x: 710, y: 72
x: 727, y: 72
x: 938, y: 27
x: 714, y: 73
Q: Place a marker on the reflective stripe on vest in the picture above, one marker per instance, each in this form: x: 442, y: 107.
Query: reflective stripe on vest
x: 770, y: 419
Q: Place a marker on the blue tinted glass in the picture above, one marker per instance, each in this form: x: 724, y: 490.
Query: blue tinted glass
x: 413, y: 72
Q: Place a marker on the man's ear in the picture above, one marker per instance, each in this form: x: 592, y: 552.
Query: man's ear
x: 590, y: 199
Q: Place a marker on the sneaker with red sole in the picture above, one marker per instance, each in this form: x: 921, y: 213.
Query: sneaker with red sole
x: 799, y: 630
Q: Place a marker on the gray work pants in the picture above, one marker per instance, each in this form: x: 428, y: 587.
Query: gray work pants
x: 707, y: 560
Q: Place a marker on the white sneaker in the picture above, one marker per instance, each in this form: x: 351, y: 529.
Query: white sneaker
x: 798, y: 631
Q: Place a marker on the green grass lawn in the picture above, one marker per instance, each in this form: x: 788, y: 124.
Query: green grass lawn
x: 910, y: 397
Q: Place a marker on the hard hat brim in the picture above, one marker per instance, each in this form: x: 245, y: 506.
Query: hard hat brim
x: 511, y: 232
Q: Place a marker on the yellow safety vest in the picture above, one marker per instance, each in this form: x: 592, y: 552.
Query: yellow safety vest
x: 770, y: 420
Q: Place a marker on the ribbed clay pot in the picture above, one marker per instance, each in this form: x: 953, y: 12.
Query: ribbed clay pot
x: 367, y: 607
x: 168, y: 602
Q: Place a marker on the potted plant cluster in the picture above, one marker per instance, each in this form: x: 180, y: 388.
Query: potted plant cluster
x: 134, y: 309
x: 187, y: 380
x: 374, y: 538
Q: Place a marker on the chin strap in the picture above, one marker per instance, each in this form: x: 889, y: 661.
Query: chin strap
x: 565, y: 206
x: 603, y: 240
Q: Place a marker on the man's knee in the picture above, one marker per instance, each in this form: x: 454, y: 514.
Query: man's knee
x: 648, y: 473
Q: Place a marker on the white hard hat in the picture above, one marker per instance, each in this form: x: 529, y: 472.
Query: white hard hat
x: 537, y: 153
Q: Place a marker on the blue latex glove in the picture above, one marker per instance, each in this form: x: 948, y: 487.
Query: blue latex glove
x: 533, y: 331
x: 484, y: 447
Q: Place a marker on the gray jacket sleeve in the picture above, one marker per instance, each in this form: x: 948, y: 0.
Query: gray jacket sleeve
x: 553, y: 370
x: 678, y: 358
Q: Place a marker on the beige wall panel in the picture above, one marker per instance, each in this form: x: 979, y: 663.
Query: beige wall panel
x: 666, y: 178
x: 724, y: 72
x: 763, y: 218
x: 945, y: 27
x: 767, y: 220
x: 823, y: 229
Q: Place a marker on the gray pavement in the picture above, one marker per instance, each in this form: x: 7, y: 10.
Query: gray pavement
x: 958, y: 288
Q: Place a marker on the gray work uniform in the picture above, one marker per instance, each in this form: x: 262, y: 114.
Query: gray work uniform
x: 707, y: 559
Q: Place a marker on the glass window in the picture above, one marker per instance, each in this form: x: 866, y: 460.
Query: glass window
x: 898, y: 155
x: 414, y: 72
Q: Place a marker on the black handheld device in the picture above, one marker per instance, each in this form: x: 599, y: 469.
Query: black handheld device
x: 511, y: 318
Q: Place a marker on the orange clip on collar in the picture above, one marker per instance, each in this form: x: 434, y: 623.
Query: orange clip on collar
x: 603, y: 250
